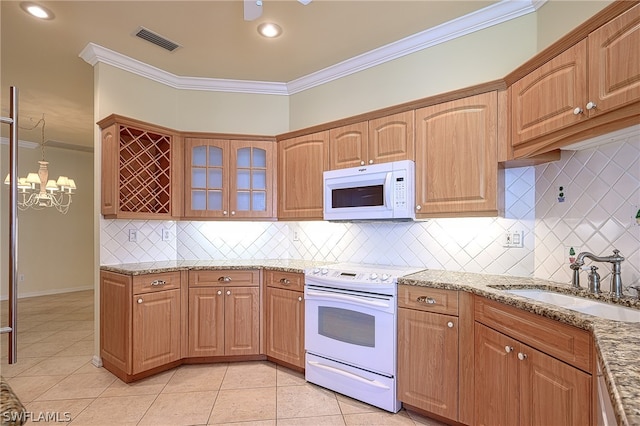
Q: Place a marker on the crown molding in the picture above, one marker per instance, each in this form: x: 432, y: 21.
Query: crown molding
x: 495, y: 14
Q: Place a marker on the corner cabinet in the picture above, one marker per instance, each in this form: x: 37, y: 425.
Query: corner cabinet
x: 530, y: 369
x: 141, y: 170
x: 224, y: 313
x: 435, y: 335
x: 284, y: 311
x: 380, y: 140
x: 456, y: 158
x: 301, y: 162
x: 141, y: 320
x: 593, y: 86
x: 229, y: 179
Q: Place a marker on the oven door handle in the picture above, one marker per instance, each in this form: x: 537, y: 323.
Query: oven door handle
x: 373, y: 383
x: 347, y: 298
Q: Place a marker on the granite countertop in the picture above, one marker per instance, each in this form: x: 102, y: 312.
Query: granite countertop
x: 617, y: 343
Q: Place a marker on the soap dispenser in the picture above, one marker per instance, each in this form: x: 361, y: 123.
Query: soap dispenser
x: 594, y: 280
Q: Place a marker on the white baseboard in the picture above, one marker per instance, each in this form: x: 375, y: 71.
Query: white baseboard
x: 48, y: 292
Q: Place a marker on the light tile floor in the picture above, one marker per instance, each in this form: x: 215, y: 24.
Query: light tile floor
x: 54, y: 377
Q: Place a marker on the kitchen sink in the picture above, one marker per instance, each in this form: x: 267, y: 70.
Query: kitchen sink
x: 581, y: 304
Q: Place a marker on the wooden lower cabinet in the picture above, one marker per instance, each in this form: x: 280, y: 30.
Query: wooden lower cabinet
x: 140, y: 322
x: 428, y: 361
x: 516, y: 384
x: 224, y: 321
x: 284, y: 310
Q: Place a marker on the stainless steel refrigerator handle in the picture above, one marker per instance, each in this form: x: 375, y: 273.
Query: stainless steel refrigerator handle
x: 12, y: 121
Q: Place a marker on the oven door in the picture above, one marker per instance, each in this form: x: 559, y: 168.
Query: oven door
x: 351, y: 328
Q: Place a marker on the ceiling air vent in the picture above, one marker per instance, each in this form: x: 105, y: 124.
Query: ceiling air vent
x: 156, y: 39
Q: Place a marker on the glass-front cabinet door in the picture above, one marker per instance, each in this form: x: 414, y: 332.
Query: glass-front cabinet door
x: 252, y: 182
x: 229, y: 178
x: 206, y: 178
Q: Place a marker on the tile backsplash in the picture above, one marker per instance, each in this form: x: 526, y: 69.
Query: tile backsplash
x: 601, y: 188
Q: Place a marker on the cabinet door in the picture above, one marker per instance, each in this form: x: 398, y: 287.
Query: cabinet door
x: 156, y: 329
x: 496, y: 378
x: 285, y: 325
x: 301, y: 162
x: 252, y: 185
x: 348, y: 146
x: 392, y: 138
x: 206, y: 321
x: 614, y: 62
x: 428, y: 361
x: 242, y: 321
x: 545, y: 100
x: 552, y: 392
x: 456, y: 157
x: 115, y: 320
x: 206, y: 178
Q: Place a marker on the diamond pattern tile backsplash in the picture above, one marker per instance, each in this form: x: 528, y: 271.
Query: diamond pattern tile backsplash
x: 601, y: 197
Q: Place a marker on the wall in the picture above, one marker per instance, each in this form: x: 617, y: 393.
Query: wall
x: 55, y: 254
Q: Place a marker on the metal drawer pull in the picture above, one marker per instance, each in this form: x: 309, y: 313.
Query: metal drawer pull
x: 285, y: 281
x: 508, y: 349
x: 426, y: 299
x: 158, y: 282
x: 522, y: 356
x: 224, y: 279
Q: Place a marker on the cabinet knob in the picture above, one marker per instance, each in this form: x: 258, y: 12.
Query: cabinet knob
x: 522, y: 356
x: 224, y: 212
x: 224, y: 279
x: 219, y: 292
x: 578, y: 111
x: 228, y: 292
x: 362, y: 163
x: 370, y: 161
x: 450, y: 324
x: 418, y: 207
x: 508, y: 349
x: 139, y: 300
x: 591, y: 105
x: 285, y: 281
x: 299, y: 298
x: 233, y: 212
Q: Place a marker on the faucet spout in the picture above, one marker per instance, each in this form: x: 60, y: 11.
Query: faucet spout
x: 615, y: 260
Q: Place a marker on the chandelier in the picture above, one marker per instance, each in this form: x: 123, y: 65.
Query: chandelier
x: 37, y: 192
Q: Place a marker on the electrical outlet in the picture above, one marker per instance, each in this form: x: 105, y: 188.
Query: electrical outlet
x: 513, y: 239
x: 133, y: 235
x: 296, y: 237
x: 21, y: 278
x: 166, y: 235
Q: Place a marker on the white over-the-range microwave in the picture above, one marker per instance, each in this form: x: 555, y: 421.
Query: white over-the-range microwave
x: 383, y: 191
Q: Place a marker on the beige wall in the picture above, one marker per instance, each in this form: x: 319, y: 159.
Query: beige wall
x: 557, y: 17
x: 55, y: 251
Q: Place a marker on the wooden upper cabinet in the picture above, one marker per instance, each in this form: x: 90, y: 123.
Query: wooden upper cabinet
x: 614, y: 62
x: 456, y: 158
x: 545, y: 100
x: 380, y: 140
x: 589, y: 89
x: 301, y: 162
x: 141, y: 168
x: 349, y: 146
x: 229, y: 178
x: 392, y: 138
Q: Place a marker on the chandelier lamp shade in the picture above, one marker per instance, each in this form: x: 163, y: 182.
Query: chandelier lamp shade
x: 36, y: 191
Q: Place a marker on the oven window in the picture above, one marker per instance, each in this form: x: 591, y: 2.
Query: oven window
x: 347, y: 326
x: 361, y: 196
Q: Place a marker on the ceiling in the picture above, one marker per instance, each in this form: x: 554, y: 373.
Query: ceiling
x: 42, y: 58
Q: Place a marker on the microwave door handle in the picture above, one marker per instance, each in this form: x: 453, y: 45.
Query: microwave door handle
x: 347, y: 298
x: 349, y: 375
x: 388, y: 190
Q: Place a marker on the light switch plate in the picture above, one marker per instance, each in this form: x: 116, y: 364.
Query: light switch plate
x: 513, y: 239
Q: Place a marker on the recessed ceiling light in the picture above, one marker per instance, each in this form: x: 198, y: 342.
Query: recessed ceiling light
x: 36, y: 10
x: 270, y: 30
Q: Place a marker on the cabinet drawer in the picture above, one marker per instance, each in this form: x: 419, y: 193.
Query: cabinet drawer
x: 156, y: 282
x: 224, y: 277
x: 428, y: 299
x: 565, y: 342
x: 284, y: 280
